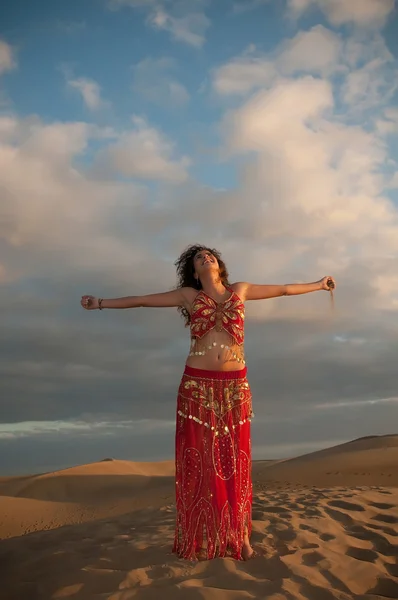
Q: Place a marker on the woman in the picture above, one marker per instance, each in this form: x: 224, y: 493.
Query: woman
x: 214, y: 405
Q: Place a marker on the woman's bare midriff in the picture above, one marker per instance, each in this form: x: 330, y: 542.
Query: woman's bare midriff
x: 220, y: 353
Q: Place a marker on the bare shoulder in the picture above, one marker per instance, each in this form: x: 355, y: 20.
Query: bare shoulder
x: 240, y: 288
x: 189, y: 294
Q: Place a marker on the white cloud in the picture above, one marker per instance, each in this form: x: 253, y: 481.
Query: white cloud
x: 90, y: 92
x: 353, y: 341
x: 315, y: 188
x: 360, y: 12
x: 362, y: 47
x: 50, y: 195
x: 146, y: 154
x: 242, y: 75
x: 178, y: 93
x: 47, y: 200
x: 317, y: 51
x: 371, y: 75
x: 95, y: 427
x: 361, y: 67
x: 185, y: 21
x: 386, y: 286
x: 190, y: 28
x: 393, y: 183
x: 312, y: 51
x: 360, y: 404
x: 388, y: 123
x: 282, y: 106
x: 7, y: 59
x: 309, y: 200
x: 153, y: 79
x: 369, y: 86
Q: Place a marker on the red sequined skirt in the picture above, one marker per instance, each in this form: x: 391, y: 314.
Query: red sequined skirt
x: 213, y: 464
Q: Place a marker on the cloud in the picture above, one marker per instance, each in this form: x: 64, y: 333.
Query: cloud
x: 243, y: 74
x: 90, y: 92
x: 334, y: 189
x: 146, y: 154
x: 48, y: 193
x: 393, y: 183
x: 266, y: 112
x: 387, y: 123
x: 153, y: 79
x: 93, y: 426
x: 371, y: 85
x: 88, y: 209
x: 364, y: 13
x: 362, y: 47
x: 361, y: 69
x: 7, y: 58
x: 56, y: 197
x: 190, y: 28
x: 314, y: 51
x: 350, y: 404
x: 184, y: 21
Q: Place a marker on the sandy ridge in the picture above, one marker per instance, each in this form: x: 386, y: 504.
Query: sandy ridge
x: 325, y: 526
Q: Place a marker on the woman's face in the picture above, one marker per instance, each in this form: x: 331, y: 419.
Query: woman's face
x: 203, y: 261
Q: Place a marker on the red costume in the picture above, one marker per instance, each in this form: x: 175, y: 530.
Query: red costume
x: 208, y: 314
x: 213, y: 450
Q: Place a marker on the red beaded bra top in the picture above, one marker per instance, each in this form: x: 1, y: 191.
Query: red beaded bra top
x: 208, y: 314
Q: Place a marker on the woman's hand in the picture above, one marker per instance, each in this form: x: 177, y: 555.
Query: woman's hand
x: 89, y: 302
x: 327, y: 283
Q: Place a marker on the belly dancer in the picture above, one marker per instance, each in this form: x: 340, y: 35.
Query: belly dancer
x: 213, y: 462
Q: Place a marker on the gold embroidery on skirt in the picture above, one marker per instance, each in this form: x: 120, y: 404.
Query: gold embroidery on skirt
x: 220, y: 407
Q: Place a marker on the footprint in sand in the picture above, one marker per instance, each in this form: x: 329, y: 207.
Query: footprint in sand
x: 340, y: 517
x: 257, y: 515
x: 327, y: 537
x: 309, y: 545
x: 289, y: 535
x: 311, y: 559
x: 392, y: 569
x: 386, y: 530
x: 312, y: 512
x: 308, y: 528
x: 346, y: 505
x: 294, y: 506
x: 362, y: 554
x: 280, y: 510
x: 380, y: 543
x: 381, y: 505
x: 385, y: 587
x: 386, y: 519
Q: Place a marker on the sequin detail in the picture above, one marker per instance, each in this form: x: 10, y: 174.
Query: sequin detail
x: 207, y: 314
x: 213, y: 464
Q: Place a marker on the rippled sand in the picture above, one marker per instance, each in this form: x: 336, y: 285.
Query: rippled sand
x: 325, y: 526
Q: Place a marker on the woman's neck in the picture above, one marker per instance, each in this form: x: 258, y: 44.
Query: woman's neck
x: 212, y: 285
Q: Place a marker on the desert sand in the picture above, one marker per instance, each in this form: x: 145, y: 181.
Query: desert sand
x: 325, y: 526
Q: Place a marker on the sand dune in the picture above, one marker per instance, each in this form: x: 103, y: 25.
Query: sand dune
x: 325, y: 526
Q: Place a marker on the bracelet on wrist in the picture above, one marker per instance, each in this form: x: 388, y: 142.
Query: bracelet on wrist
x: 100, y: 303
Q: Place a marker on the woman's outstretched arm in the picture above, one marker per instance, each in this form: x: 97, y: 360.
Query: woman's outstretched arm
x: 251, y: 291
x: 178, y: 297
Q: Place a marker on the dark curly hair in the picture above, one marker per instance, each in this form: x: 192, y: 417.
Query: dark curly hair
x: 186, y: 270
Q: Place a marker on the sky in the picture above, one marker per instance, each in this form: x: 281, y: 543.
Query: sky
x: 132, y: 128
